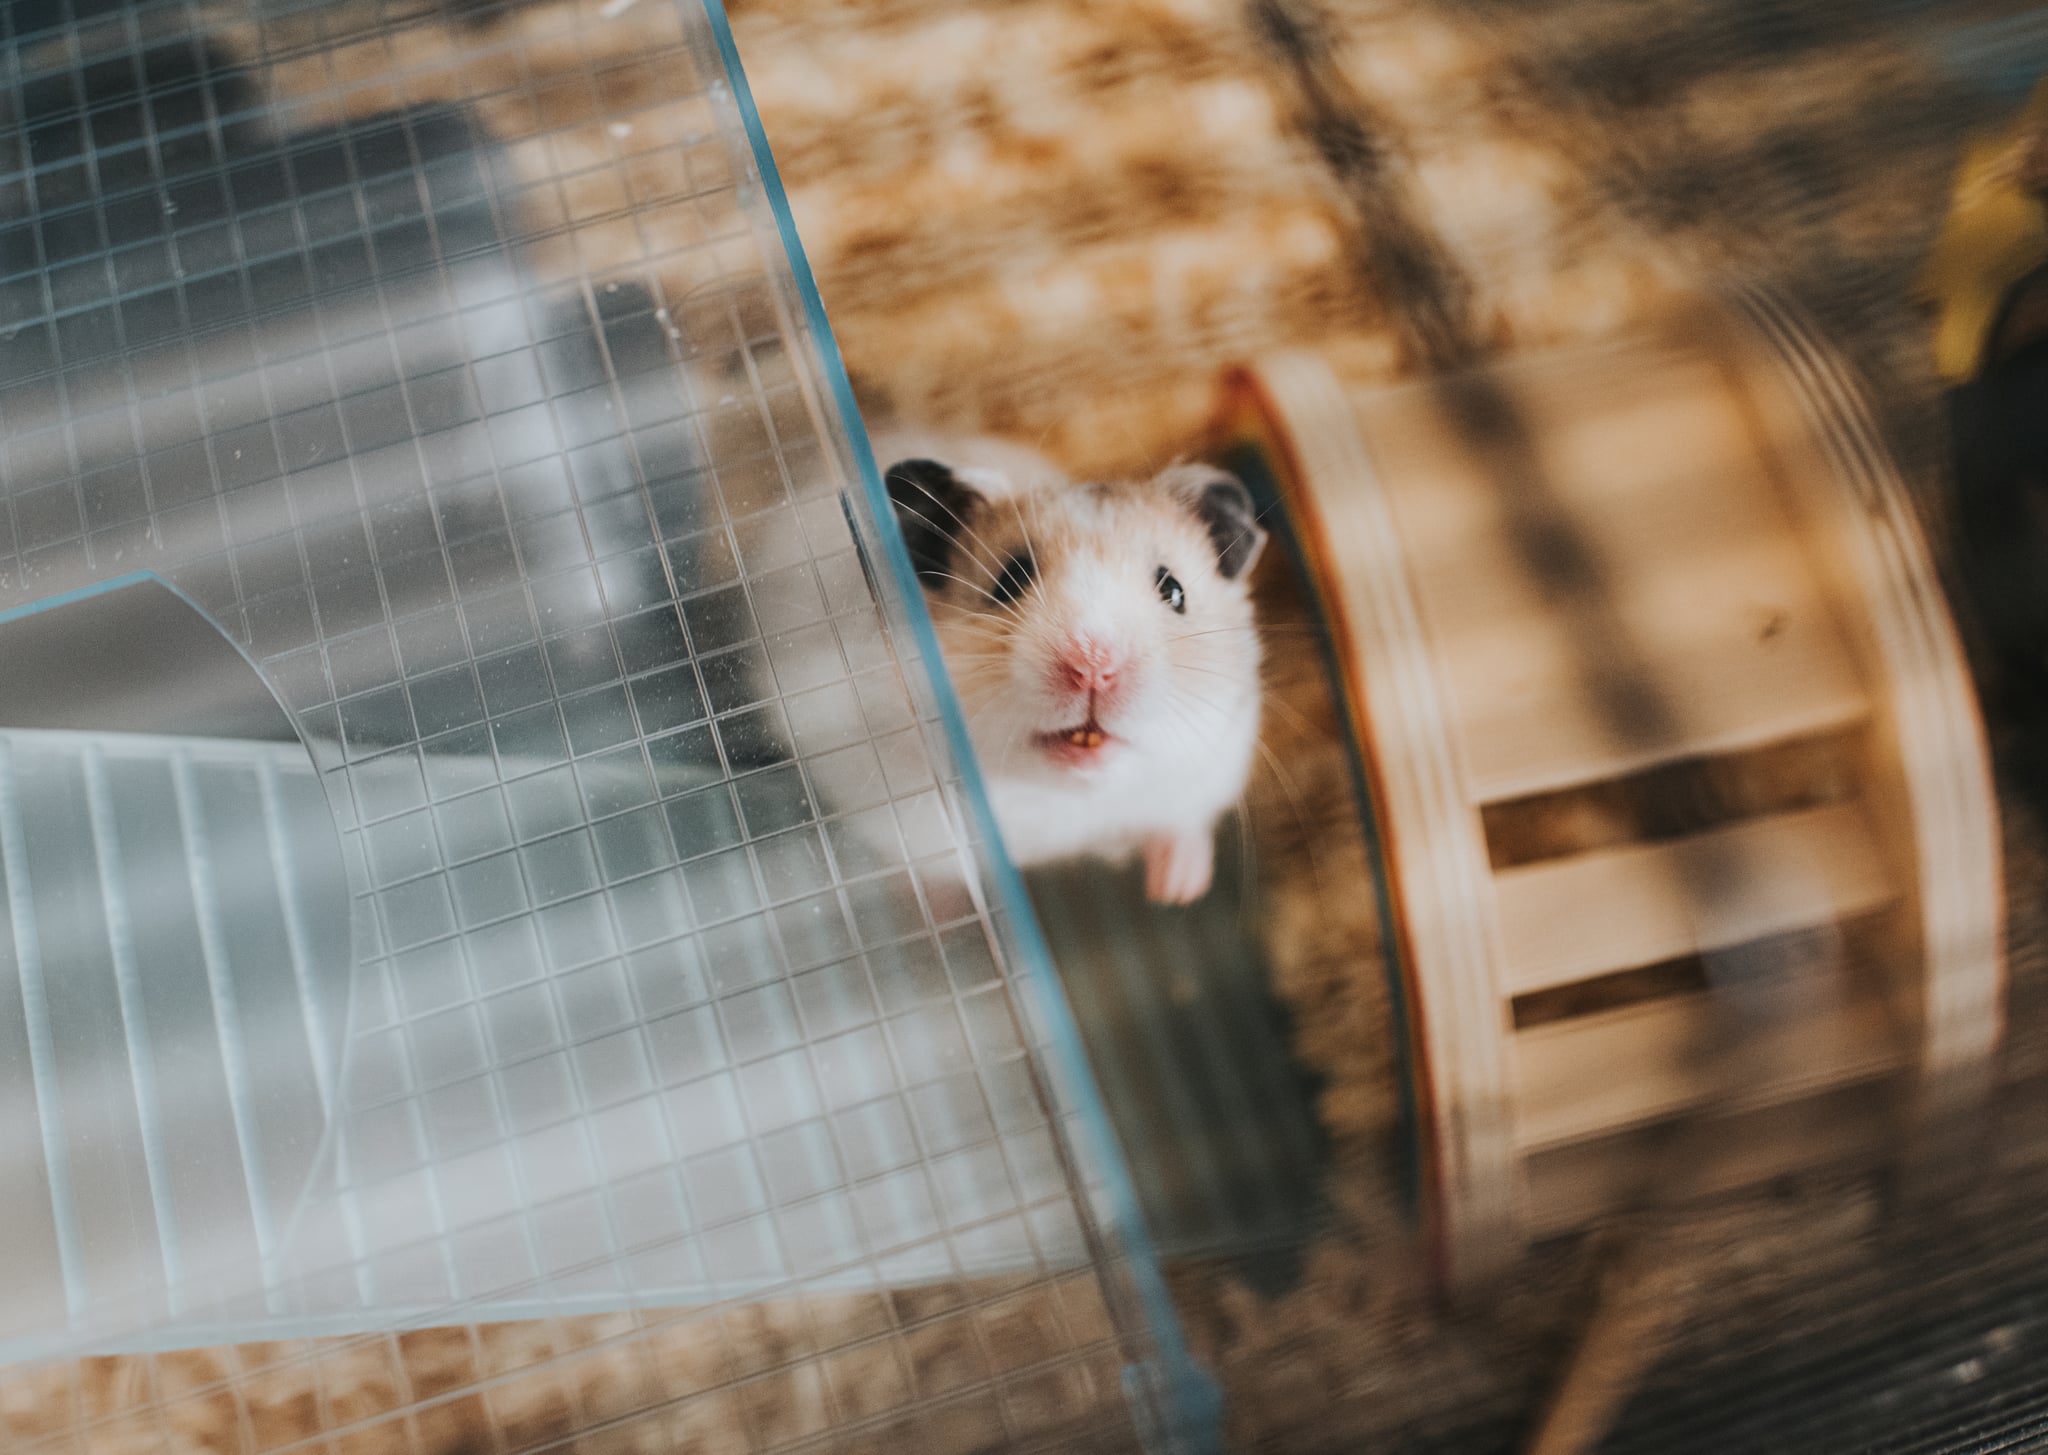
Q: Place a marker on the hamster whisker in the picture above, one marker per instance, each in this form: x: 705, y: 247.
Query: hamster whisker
x: 975, y: 629
x: 1224, y: 705
x: 1010, y: 742
x: 1231, y: 677
x: 973, y: 684
x: 1257, y: 629
x: 989, y: 557
x: 1196, y: 699
x: 994, y: 560
x: 978, y: 713
x: 1181, y: 716
x: 988, y: 649
x: 1254, y: 888
x: 992, y: 566
x: 1243, y: 801
x: 971, y: 681
x: 979, y: 590
x: 1268, y: 700
x: 977, y: 633
x: 1272, y: 762
x: 1312, y: 843
x: 1030, y: 543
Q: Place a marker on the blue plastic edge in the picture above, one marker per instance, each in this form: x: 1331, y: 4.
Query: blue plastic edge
x: 100, y: 588
x: 1192, y: 1401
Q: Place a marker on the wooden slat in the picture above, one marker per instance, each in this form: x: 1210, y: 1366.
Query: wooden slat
x: 1603, y: 1074
x: 1567, y: 1187
x: 1567, y: 920
x: 1435, y: 846
x: 1649, y: 466
x: 1930, y: 769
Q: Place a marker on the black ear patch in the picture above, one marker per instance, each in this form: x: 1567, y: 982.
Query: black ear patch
x: 1225, y: 507
x: 933, y: 509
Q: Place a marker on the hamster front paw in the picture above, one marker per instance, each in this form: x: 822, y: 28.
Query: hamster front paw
x: 1178, y: 867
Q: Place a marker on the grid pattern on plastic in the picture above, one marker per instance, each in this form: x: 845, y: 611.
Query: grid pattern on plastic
x: 673, y: 1012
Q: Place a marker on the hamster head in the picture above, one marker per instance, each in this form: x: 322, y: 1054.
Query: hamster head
x: 1094, y: 632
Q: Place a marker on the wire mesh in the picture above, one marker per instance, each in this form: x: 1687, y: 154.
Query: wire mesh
x: 704, y: 1078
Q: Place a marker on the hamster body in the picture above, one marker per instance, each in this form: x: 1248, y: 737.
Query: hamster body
x: 1101, y: 639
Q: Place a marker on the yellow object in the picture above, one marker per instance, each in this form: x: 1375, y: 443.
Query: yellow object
x: 1995, y: 234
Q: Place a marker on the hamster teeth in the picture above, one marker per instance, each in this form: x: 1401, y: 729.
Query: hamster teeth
x: 1086, y: 737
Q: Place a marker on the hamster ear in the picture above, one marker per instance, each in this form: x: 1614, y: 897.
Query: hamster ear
x: 1225, y: 507
x: 932, y: 507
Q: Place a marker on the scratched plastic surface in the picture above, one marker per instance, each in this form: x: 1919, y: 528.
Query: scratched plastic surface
x: 488, y: 924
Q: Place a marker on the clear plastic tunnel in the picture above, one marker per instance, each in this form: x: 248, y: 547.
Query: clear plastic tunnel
x: 482, y: 838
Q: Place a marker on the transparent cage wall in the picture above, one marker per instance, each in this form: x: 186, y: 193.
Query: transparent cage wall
x: 610, y: 928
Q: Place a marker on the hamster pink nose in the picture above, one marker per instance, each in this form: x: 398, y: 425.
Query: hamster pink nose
x: 1086, y: 665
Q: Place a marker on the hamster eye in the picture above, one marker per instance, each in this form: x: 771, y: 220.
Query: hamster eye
x: 1170, y: 590
x: 1017, y: 575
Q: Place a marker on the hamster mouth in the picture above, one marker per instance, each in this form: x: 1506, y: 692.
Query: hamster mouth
x: 1078, y: 746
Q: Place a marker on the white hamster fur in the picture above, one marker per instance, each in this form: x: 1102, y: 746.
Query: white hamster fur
x: 1101, y: 639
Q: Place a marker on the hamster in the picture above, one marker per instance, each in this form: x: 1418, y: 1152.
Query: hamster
x: 1100, y: 637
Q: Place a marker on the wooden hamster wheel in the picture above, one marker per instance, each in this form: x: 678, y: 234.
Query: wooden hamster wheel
x: 1559, y: 585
